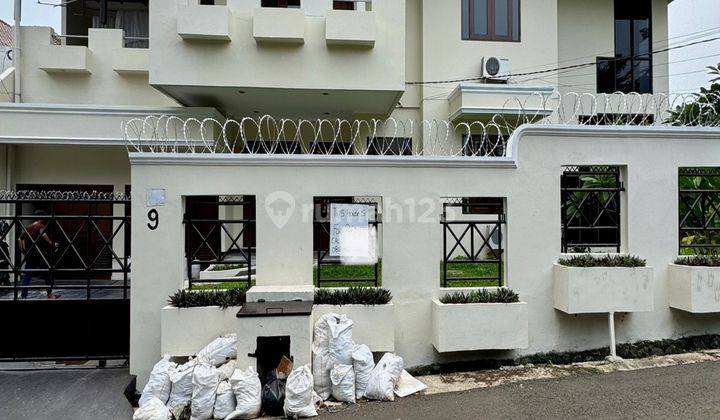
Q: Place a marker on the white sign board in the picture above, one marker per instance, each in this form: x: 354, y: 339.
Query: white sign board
x: 155, y: 197
x: 349, y: 235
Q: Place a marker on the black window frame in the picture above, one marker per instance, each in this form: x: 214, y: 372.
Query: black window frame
x: 467, y: 22
x: 607, y: 67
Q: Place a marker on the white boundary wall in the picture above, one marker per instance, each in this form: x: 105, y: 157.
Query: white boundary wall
x: 529, y: 178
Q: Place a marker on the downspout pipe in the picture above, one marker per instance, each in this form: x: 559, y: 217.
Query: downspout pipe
x: 16, y: 52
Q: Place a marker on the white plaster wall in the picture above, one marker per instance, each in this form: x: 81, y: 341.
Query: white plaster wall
x: 412, y: 246
x: 245, y: 62
x: 102, y: 86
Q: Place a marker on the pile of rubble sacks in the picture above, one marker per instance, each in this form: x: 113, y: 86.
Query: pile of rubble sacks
x: 211, y: 386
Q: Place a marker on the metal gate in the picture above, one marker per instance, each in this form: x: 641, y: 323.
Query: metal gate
x: 64, y: 275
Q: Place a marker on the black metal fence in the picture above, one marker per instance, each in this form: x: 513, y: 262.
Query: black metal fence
x: 77, y: 242
x: 590, y: 198
x: 699, y: 211
x: 326, y: 269
x: 219, y: 239
x: 473, y: 251
x: 64, y: 275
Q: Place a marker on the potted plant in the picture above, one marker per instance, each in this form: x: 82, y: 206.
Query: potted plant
x: 484, y: 319
x: 694, y: 284
x: 602, y: 284
x: 193, y: 318
x: 370, y: 308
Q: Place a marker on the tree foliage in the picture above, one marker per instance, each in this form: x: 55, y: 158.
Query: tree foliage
x: 704, y: 110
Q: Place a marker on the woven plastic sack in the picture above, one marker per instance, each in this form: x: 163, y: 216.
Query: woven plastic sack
x: 381, y: 384
x: 182, y: 387
x: 343, y: 383
x: 153, y: 409
x: 363, y: 364
x: 299, y: 394
x: 159, y: 384
x: 220, y: 350
x: 206, y: 379
x: 224, y: 401
x: 340, y: 343
x: 248, y: 394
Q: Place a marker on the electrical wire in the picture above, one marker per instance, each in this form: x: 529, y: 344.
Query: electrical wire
x: 574, y: 66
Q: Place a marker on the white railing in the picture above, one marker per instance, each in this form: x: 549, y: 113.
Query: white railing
x: 269, y: 135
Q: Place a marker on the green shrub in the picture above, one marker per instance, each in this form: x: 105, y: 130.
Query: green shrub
x: 699, y: 260
x: 587, y: 260
x: 215, y: 297
x: 500, y: 295
x: 352, y: 296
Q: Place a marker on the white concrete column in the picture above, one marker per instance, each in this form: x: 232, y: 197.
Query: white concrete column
x: 157, y: 267
x: 284, y: 238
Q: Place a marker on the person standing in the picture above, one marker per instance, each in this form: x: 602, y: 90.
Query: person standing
x: 36, y: 246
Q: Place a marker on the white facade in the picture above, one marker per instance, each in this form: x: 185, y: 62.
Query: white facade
x: 236, y: 60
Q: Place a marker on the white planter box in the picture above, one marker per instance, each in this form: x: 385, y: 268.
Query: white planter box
x: 694, y: 289
x: 184, y: 331
x: 581, y: 290
x: 131, y: 61
x: 275, y: 24
x: 64, y: 59
x: 373, y: 325
x: 479, y: 326
x: 204, y: 22
x: 350, y: 27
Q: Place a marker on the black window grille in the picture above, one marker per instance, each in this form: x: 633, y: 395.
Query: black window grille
x: 327, y: 271
x: 473, y: 251
x: 699, y: 211
x: 67, y: 241
x: 590, y: 208
x: 220, y: 239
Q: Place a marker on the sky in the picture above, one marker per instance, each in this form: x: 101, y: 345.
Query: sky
x: 685, y: 17
x: 690, y: 16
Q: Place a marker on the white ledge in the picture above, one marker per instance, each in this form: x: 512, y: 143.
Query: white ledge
x: 227, y: 159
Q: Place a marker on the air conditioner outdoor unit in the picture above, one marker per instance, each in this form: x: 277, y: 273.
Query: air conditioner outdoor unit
x: 496, y: 69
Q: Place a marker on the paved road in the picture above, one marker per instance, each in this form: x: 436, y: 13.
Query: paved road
x: 687, y: 392
x: 61, y: 394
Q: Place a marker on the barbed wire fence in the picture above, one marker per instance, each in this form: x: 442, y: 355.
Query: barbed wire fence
x: 482, y: 138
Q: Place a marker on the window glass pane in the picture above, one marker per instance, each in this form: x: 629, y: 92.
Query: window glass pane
x: 516, y: 20
x: 641, y: 76
x: 622, y: 38
x: 465, y: 19
x: 641, y: 36
x: 480, y: 17
x: 501, y: 18
x: 623, y: 76
x: 605, y: 75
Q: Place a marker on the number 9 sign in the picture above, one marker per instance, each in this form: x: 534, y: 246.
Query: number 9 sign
x: 154, y: 219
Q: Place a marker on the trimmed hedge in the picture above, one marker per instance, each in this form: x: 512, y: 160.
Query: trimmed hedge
x: 222, y: 267
x: 501, y: 295
x: 587, y: 260
x: 214, y: 297
x: 699, y: 260
x: 352, y: 296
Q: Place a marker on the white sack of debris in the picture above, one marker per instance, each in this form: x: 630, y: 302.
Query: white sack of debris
x: 159, y: 385
x: 220, y: 350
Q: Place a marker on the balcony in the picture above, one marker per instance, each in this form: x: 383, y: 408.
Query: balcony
x: 64, y: 59
x: 350, y: 27
x: 274, y: 24
x: 484, y: 101
x: 103, y: 71
x: 210, y: 23
x: 295, y: 62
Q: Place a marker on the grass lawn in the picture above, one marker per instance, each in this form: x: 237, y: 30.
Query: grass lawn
x: 470, y: 270
x: 333, y: 271
x: 222, y: 285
